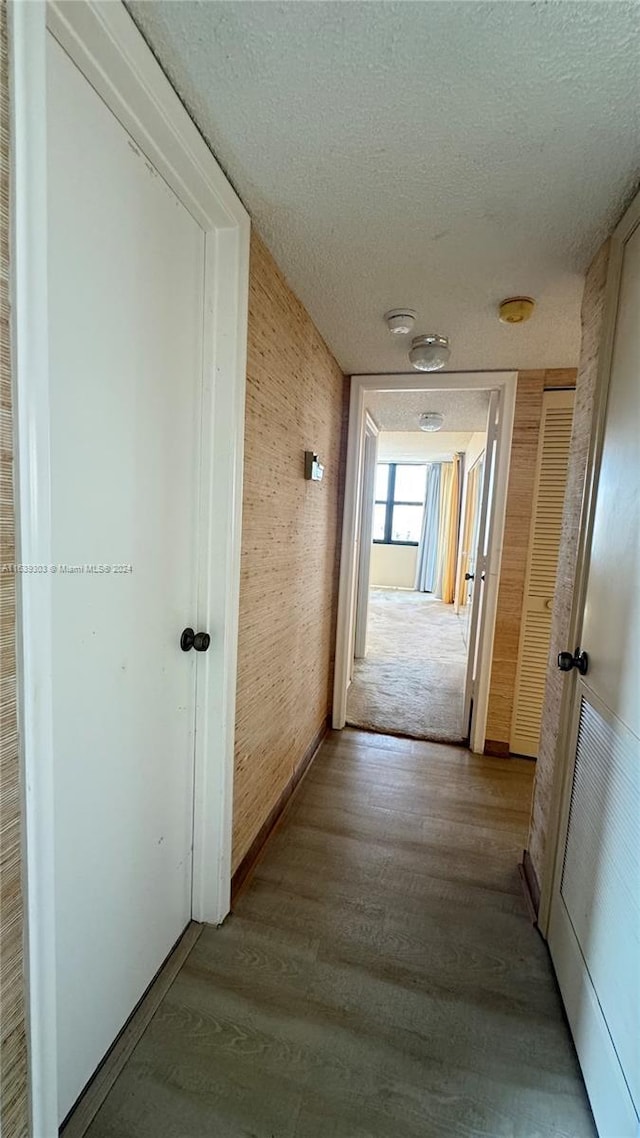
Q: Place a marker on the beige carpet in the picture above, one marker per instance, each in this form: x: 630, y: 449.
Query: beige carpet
x: 412, y: 679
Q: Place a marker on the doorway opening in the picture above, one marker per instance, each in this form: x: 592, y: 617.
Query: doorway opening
x: 422, y: 539
x: 412, y: 632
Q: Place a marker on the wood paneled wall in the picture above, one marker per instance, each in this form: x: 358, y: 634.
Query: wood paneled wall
x: 592, y: 319
x: 13, y: 1058
x: 526, y: 428
x: 288, y: 589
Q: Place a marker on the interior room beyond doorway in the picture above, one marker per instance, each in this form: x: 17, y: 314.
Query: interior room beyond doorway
x: 410, y: 667
x: 411, y: 681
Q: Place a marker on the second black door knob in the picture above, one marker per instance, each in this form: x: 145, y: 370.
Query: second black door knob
x: 198, y: 640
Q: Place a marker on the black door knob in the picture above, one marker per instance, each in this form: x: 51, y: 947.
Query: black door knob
x: 198, y: 640
x: 577, y: 659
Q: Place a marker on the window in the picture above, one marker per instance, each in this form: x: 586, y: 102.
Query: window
x: 399, y: 502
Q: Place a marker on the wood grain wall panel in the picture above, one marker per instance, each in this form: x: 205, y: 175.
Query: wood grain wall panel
x: 13, y: 1057
x: 592, y: 320
x: 288, y: 591
x: 522, y: 469
x: 526, y: 427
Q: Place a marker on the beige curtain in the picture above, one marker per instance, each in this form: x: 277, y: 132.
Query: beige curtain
x: 448, y: 533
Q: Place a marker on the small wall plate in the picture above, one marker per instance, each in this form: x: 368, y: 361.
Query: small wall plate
x: 313, y: 469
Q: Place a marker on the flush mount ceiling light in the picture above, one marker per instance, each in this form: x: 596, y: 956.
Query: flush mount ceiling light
x: 431, y: 420
x: 429, y: 352
x: 516, y: 309
x: 400, y: 321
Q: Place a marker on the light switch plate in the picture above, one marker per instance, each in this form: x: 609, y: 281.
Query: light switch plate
x: 313, y: 469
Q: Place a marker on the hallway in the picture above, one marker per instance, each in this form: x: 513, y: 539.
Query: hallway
x: 379, y: 977
x: 411, y: 681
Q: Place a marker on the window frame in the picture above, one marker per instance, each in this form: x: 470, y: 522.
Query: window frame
x: 390, y: 502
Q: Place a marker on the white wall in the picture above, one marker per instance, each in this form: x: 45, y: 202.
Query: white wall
x: 394, y: 565
x: 474, y: 448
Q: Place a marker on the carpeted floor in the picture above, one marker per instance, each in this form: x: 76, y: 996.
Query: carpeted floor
x: 412, y: 679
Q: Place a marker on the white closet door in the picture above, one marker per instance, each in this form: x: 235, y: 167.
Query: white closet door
x: 126, y: 267
x: 542, y: 566
x: 594, y: 929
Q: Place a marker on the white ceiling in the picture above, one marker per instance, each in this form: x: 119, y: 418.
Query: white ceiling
x: 435, y: 154
x: 399, y: 410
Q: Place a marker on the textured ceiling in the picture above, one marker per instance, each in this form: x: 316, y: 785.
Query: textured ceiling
x: 438, y: 155
x: 399, y: 410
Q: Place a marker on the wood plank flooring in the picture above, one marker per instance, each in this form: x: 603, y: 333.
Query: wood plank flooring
x: 379, y: 977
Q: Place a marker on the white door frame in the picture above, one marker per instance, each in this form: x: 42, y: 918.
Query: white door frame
x: 505, y: 382
x: 369, y: 459
x: 105, y: 44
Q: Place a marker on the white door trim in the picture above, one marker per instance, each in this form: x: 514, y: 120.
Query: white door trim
x: 506, y: 383
x: 105, y: 44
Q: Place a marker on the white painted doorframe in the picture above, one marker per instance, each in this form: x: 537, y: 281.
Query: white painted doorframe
x: 361, y: 386
x: 105, y: 45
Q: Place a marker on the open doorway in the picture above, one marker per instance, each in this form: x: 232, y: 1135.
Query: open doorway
x: 411, y: 658
x: 424, y: 553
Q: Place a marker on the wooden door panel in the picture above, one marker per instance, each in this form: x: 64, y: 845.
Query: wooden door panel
x: 542, y: 567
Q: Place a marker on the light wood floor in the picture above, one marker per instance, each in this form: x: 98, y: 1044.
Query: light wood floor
x: 379, y: 978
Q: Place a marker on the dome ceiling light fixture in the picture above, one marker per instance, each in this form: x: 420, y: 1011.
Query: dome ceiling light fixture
x: 400, y: 321
x: 516, y: 309
x: 431, y: 420
x: 429, y: 352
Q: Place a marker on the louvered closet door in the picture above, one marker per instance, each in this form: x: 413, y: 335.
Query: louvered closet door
x: 594, y: 927
x: 544, y: 543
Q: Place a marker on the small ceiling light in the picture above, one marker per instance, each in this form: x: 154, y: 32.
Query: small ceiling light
x: 431, y: 420
x: 400, y: 321
x: 516, y: 309
x: 430, y: 352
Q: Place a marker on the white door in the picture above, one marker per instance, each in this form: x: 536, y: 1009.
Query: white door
x: 126, y: 263
x: 594, y: 930
x: 468, y: 557
x: 486, y: 522
x: 469, y: 521
x: 366, y: 536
